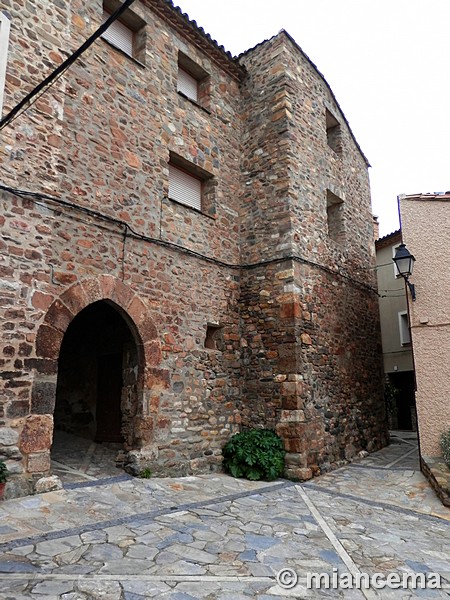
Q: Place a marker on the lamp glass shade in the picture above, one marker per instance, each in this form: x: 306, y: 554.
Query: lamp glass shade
x: 404, y: 261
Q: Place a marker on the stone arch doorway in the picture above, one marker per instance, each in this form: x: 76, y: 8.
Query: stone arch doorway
x: 97, y: 385
x: 142, y: 380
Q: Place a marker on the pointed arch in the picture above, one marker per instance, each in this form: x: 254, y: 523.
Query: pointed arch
x: 151, y: 379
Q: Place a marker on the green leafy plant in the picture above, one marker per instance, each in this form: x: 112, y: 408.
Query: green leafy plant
x: 145, y: 473
x: 254, y: 454
x: 445, y: 446
x: 3, y: 472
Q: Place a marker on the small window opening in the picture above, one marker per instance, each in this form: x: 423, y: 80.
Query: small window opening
x: 214, y: 336
x: 127, y: 33
x: 191, y: 185
x: 335, y: 217
x: 334, y: 138
x: 193, y: 81
x: 405, y: 334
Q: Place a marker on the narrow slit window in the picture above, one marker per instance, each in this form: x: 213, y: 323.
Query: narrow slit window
x: 335, y: 217
x: 214, y: 336
x: 334, y: 138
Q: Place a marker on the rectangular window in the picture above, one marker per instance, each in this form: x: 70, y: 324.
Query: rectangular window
x: 127, y: 33
x: 185, y: 188
x: 191, y: 185
x: 4, y: 41
x: 187, y: 84
x: 118, y: 34
x: 193, y: 81
x: 333, y: 128
x: 405, y: 334
x: 335, y: 217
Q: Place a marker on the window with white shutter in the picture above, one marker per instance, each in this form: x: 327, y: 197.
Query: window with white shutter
x: 4, y: 41
x: 185, y: 188
x: 187, y: 84
x: 118, y: 34
x: 193, y: 81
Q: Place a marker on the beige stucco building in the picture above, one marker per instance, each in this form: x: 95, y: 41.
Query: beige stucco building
x: 395, y: 334
x: 426, y: 233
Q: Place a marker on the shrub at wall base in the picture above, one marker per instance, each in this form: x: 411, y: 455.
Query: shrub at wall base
x: 254, y: 454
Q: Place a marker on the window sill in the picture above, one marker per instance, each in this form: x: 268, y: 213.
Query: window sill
x: 132, y: 58
x: 196, y: 210
x: 208, y: 112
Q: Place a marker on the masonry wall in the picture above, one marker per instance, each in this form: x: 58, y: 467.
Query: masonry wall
x: 275, y: 261
x: 100, y: 139
x: 312, y: 322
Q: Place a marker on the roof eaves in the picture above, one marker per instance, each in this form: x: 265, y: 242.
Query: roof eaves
x: 388, y: 239
x: 430, y: 196
x: 197, y: 36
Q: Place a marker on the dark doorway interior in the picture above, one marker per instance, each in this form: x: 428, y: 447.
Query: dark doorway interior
x: 403, y: 412
x: 97, y: 356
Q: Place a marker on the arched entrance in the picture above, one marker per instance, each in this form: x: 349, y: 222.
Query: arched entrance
x: 97, y: 375
x: 97, y: 390
x: 114, y: 331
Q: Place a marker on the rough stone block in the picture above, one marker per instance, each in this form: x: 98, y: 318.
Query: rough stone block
x: 48, y: 342
x: 8, y: 436
x: 59, y: 316
x: 48, y: 484
x: 37, y: 434
x: 43, y: 397
x: 39, y: 462
x: 298, y: 473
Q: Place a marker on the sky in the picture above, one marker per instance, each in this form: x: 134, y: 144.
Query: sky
x: 388, y: 64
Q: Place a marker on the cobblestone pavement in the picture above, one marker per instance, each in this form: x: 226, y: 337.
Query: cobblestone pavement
x: 108, y: 536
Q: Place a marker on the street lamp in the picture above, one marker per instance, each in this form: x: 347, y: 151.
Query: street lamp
x: 404, y: 262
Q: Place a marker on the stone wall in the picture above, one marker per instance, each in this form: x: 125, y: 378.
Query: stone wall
x: 312, y: 356
x: 296, y: 320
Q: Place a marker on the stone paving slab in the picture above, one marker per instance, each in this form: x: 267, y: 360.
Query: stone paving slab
x: 65, y: 509
x: 214, y: 537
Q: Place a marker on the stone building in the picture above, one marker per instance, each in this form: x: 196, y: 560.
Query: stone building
x: 187, y: 247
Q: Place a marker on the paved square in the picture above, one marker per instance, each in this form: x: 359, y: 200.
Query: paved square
x: 215, y: 537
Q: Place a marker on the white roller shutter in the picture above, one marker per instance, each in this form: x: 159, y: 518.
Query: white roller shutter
x: 118, y: 34
x: 187, y: 84
x: 185, y: 188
